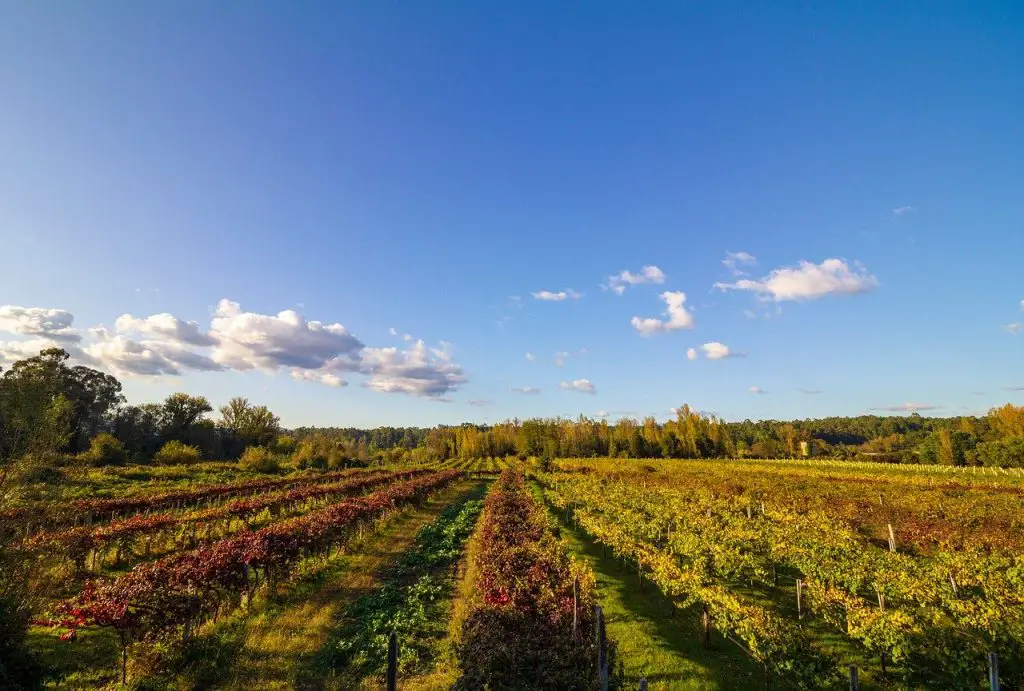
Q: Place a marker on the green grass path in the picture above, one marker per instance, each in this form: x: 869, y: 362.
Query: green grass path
x: 655, y: 640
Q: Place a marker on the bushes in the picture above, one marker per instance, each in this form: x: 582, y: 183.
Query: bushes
x: 519, y: 632
x: 1007, y: 453
x: 105, y: 449
x: 260, y: 459
x: 176, y: 453
x: 322, y: 453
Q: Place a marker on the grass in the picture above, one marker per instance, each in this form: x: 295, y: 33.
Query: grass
x: 654, y: 639
x: 275, y: 645
x: 416, y: 600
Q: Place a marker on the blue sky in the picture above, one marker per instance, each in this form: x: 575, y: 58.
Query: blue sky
x: 384, y: 165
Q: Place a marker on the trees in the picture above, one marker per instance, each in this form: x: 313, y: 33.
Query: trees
x: 248, y: 425
x: 179, y: 413
x: 29, y: 391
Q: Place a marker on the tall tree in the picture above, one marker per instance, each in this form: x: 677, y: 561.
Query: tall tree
x: 179, y: 412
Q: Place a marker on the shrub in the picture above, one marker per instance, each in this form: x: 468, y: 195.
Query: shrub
x: 176, y: 453
x: 285, y: 445
x: 105, y: 449
x: 261, y: 459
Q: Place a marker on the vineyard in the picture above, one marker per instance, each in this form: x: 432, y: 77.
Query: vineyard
x: 497, y: 573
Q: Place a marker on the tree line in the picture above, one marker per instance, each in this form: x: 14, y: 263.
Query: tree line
x: 50, y: 407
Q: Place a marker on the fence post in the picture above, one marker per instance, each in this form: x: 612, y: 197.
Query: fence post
x: 602, y: 648
x: 892, y: 539
x: 393, y: 662
x: 799, y: 599
x: 993, y: 672
x: 854, y: 680
x: 575, y: 605
x: 643, y: 684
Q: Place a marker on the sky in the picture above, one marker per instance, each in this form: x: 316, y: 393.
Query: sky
x: 384, y: 213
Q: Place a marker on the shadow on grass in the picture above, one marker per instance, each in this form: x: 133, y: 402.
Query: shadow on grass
x: 655, y: 639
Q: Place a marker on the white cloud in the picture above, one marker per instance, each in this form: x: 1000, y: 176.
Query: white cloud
x: 248, y: 340
x: 393, y: 331
x: 325, y: 378
x: 1015, y: 388
x: 749, y: 314
x: 602, y: 414
x: 1022, y: 305
x: 407, y: 337
x: 560, y: 358
x: 125, y: 356
x: 719, y: 351
x: 620, y: 281
x: 908, y: 407
x: 43, y: 322
x: 478, y: 403
x: 810, y: 392
x: 581, y: 385
x: 734, y: 260
x: 530, y: 357
x: 757, y: 390
x: 167, y: 326
x: 901, y: 210
x: 1014, y: 328
x: 567, y: 294
x: 692, y: 354
x: 678, y: 316
x: 417, y: 371
x: 11, y: 351
x: 808, y: 281
x: 526, y: 389
x: 241, y: 341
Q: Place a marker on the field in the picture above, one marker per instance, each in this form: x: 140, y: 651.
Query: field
x: 709, y: 575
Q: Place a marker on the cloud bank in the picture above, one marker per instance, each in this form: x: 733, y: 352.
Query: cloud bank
x: 239, y: 341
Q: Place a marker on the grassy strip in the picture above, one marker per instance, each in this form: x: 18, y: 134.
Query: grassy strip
x: 262, y: 645
x: 654, y: 639
x: 414, y: 602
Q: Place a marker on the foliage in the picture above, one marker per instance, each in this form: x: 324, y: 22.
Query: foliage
x: 19, y: 669
x: 408, y: 602
x: 248, y: 425
x: 176, y: 453
x: 261, y: 459
x: 105, y: 449
x: 1008, y: 453
x: 177, y: 593
x: 520, y: 633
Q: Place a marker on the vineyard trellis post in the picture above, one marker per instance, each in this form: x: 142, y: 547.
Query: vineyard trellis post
x: 799, y: 598
x: 854, y: 678
x: 993, y: 672
x: 575, y: 606
x: 393, y: 662
x: 892, y: 539
x: 601, y: 643
x: 643, y: 684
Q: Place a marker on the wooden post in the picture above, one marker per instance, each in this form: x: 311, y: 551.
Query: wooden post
x: 602, y: 648
x: 575, y: 606
x: 993, y: 672
x: 643, y: 684
x: 799, y: 599
x: 393, y: 662
x: 854, y: 680
x: 892, y: 539
x: 706, y: 621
